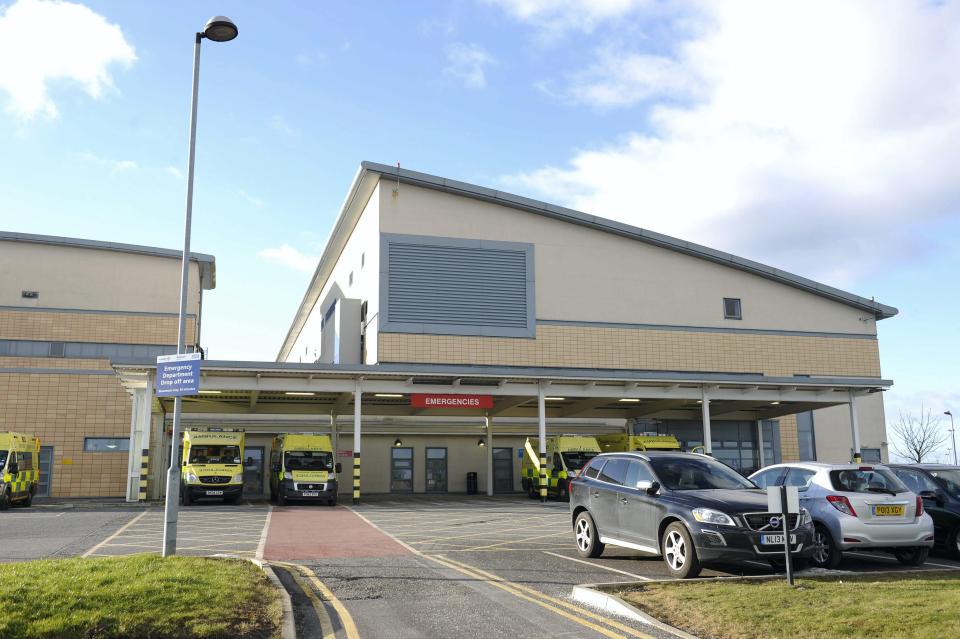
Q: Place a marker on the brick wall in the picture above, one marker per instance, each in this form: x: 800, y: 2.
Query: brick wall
x: 110, y: 328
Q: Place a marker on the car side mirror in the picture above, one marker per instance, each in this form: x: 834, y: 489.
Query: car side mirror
x: 650, y: 487
x: 338, y: 468
x: 275, y: 468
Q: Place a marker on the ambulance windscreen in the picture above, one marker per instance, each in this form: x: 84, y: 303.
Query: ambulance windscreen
x: 214, y: 454
x: 575, y: 460
x: 308, y: 460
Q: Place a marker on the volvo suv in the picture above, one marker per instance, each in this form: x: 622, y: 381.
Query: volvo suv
x: 688, y: 508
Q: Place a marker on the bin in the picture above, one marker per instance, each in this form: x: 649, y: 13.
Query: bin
x: 471, y: 483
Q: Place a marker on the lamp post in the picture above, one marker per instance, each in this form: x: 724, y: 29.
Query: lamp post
x: 953, y: 436
x: 217, y: 29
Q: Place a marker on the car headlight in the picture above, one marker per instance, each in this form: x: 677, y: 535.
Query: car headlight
x: 237, y: 479
x: 288, y: 475
x: 711, y: 516
x: 191, y: 478
x: 805, y: 518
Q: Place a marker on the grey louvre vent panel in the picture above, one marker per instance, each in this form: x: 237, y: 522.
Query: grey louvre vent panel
x: 457, y: 286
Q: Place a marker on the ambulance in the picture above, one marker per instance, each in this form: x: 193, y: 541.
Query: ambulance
x: 302, y: 466
x: 566, y: 456
x: 212, y: 465
x: 624, y: 443
x: 19, y: 469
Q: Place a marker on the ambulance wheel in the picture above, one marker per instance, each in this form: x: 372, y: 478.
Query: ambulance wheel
x: 4, y: 500
x: 563, y: 491
x: 26, y: 503
x: 234, y: 501
x: 532, y: 490
x: 282, y: 498
x: 185, y: 498
x: 273, y: 496
x: 332, y: 502
x: 586, y: 536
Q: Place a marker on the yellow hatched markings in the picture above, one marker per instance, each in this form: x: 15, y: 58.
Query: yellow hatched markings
x: 517, y: 541
x: 555, y: 606
x: 499, y: 533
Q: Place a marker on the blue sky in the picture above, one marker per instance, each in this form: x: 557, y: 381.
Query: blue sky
x: 821, y: 138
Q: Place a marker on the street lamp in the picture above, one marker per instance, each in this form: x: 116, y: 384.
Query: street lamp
x: 953, y: 436
x: 217, y: 29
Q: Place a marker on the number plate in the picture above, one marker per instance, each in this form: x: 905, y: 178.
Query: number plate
x: 311, y: 493
x: 776, y: 539
x: 888, y: 511
x: 214, y: 493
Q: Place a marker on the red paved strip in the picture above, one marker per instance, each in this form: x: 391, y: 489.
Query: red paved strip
x: 317, y: 532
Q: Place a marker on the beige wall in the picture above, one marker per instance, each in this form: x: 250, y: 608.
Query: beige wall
x: 112, y: 328
x: 588, y: 275
x: 93, y: 279
x: 63, y: 409
x: 360, y: 256
x: 588, y: 347
x: 831, y: 427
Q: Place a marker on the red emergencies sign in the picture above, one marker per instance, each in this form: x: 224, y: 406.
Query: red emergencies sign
x: 426, y: 400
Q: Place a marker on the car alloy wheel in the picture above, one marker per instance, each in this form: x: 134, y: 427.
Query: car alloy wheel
x: 584, y: 535
x: 675, y: 550
x: 821, y: 546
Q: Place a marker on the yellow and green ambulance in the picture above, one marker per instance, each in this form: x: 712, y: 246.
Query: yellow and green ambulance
x: 566, y: 456
x: 212, y: 465
x: 302, y: 466
x: 623, y: 443
x: 19, y: 469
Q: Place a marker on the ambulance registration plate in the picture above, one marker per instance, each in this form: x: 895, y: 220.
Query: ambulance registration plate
x: 311, y: 493
x: 214, y: 493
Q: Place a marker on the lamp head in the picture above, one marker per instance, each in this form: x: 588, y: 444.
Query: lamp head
x: 220, y: 29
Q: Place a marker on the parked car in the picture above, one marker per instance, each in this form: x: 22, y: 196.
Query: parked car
x: 939, y: 487
x: 856, y: 507
x: 688, y: 508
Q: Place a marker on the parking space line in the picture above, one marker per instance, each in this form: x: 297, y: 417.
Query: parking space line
x: 926, y: 563
x: 590, y: 563
x: 518, y: 541
x: 115, y: 534
x: 263, y: 534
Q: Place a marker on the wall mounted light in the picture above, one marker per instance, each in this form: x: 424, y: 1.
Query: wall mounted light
x: 397, y: 442
x: 481, y: 442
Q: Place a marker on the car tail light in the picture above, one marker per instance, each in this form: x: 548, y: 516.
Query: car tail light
x: 842, y: 504
x: 919, y: 506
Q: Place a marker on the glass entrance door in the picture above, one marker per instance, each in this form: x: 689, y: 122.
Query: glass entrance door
x: 436, y: 470
x: 401, y: 470
x: 503, y: 470
x: 253, y: 471
x: 45, y: 459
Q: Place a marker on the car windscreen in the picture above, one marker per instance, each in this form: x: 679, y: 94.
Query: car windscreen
x: 575, y: 460
x: 950, y: 478
x: 308, y: 460
x: 205, y: 454
x: 866, y: 479
x: 697, y: 474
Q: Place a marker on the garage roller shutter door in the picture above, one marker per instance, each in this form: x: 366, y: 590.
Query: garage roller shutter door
x: 446, y: 285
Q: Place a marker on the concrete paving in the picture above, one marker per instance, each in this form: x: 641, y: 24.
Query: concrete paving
x: 56, y: 531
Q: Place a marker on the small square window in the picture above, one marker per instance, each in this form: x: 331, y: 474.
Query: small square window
x: 731, y: 308
x: 106, y: 444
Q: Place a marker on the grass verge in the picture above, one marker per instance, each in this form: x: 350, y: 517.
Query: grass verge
x: 915, y: 606
x: 140, y: 596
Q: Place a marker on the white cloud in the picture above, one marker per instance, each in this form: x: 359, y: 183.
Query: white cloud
x: 555, y: 17
x: 175, y: 172
x: 290, y: 257
x: 257, y: 202
x: 279, y: 124
x: 820, y: 137
x: 123, y: 166
x: 48, y: 41
x: 466, y: 62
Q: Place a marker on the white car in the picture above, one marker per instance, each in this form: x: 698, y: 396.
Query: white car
x: 856, y: 507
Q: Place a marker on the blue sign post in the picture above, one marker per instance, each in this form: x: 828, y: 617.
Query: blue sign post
x: 178, y: 375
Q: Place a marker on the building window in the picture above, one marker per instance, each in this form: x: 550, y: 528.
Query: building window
x: 731, y: 308
x: 805, y: 436
x: 106, y: 444
x: 869, y: 455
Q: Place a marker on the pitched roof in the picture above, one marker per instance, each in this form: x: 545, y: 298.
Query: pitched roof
x: 362, y: 184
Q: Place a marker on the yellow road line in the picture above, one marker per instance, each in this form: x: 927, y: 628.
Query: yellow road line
x: 349, y: 627
x: 510, y: 588
x: 326, y: 626
x: 559, y: 602
x: 115, y: 535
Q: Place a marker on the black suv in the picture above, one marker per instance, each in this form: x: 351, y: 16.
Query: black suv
x: 939, y: 487
x: 688, y: 508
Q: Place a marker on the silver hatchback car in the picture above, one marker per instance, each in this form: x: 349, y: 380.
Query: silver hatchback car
x: 856, y: 507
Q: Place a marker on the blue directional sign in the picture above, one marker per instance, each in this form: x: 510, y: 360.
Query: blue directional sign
x: 178, y: 375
